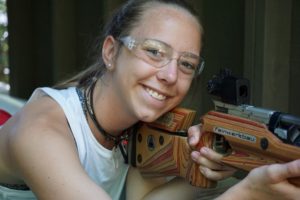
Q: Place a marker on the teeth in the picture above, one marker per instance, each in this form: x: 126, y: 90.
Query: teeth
x: 155, y: 95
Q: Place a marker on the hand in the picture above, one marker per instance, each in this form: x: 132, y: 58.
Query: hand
x: 267, y: 182
x: 210, y: 161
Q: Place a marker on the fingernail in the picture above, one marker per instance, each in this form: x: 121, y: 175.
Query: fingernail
x: 192, y: 140
x: 195, y: 155
x: 204, y: 150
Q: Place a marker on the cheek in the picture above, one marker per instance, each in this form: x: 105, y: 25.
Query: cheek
x: 124, y: 63
x: 183, y: 88
x: 133, y: 69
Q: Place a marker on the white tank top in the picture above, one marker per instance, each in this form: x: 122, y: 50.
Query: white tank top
x: 105, y: 167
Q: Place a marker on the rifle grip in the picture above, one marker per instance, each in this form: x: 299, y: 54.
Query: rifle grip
x: 158, y: 150
x: 197, y: 178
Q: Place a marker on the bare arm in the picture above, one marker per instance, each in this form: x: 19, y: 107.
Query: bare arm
x: 138, y: 188
x: 43, y: 153
x: 267, y: 182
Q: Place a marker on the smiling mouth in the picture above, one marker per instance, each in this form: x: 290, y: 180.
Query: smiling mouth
x: 156, y: 95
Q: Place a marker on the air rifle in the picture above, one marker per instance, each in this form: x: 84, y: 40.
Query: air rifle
x: 247, y: 136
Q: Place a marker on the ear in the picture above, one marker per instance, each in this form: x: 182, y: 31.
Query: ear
x: 109, y: 51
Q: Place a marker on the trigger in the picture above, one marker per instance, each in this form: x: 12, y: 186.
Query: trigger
x: 221, y: 145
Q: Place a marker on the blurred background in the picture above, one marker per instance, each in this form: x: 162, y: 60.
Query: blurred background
x: 45, y: 41
x: 4, y: 67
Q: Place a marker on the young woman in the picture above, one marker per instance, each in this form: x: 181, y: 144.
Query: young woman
x: 64, y: 143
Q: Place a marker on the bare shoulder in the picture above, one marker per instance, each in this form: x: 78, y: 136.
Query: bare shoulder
x: 42, y: 120
x: 41, y: 150
x: 39, y: 125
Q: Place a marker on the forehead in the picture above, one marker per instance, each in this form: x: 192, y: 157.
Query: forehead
x: 172, y: 25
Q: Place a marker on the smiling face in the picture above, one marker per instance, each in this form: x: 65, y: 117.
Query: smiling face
x: 145, y: 91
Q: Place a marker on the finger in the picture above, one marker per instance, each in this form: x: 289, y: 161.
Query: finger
x: 279, y: 172
x: 292, y: 169
x: 203, y: 161
x: 215, y: 175
x: 194, y: 134
x: 211, y: 154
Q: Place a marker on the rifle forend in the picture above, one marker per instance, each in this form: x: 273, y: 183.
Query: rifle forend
x: 248, y: 136
x: 231, y: 96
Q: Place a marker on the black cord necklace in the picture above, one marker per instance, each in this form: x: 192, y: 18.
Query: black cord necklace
x: 90, y: 110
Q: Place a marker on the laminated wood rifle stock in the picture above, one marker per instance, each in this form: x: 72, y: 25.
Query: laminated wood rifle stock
x: 161, y: 148
x: 247, y: 144
x: 247, y: 136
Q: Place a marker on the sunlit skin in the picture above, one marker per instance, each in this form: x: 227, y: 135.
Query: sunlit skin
x: 121, y: 98
x: 128, y: 86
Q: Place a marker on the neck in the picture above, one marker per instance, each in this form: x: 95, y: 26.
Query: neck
x: 107, y: 126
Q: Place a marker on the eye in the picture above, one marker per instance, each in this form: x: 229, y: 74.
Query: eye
x: 154, y: 52
x: 187, y: 67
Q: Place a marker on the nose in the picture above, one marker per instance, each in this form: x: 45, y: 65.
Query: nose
x: 169, y: 72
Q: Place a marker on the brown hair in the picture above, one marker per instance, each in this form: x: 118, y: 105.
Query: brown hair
x: 121, y: 23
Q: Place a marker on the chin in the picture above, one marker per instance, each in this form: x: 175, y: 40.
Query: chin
x: 147, y: 114
x: 149, y: 117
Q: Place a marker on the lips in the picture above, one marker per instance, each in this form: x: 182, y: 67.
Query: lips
x: 156, y: 95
